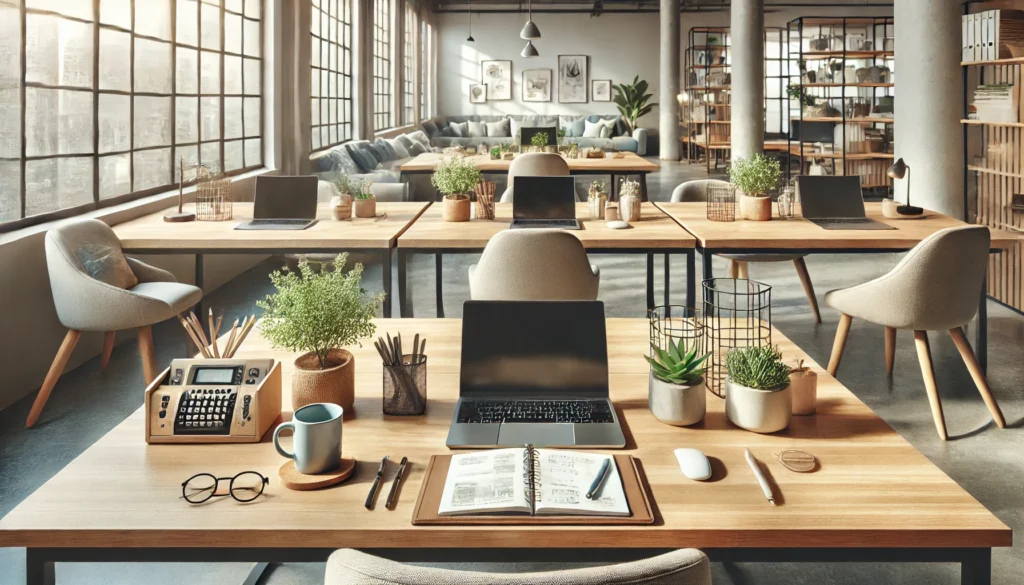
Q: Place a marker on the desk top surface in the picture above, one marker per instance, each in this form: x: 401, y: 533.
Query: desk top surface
x: 873, y: 489
x: 629, y: 162
x: 151, y: 232
x: 799, y: 233
x: 654, y: 230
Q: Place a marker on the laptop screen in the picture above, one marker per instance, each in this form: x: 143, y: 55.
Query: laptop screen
x: 544, y: 198
x: 526, y: 135
x: 534, y: 349
x: 285, y: 197
x: 830, y: 197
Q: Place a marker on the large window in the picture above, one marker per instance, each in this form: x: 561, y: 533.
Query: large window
x: 331, y: 79
x: 109, y: 95
x: 409, y: 67
x: 425, y: 47
x: 382, y: 64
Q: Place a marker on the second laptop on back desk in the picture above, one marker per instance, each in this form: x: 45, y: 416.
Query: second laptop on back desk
x: 544, y: 202
x: 835, y: 203
x: 283, y: 203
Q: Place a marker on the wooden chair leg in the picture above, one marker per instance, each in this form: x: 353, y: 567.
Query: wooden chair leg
x: 890, y: 348
x: 147, y: 353
x: 805, y: 280
x: 839, y: 344
x: 108, y: 348
x: 56, y: 369
x: 734, y: 269
x: 967, y: 354
x: 744, y: 269
x: 924, y: 355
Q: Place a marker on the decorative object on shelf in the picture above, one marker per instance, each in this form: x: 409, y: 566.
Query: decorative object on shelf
x: 364, y: 204
x: 594, y: 152
x: 737, y: 313
x: 295, y: 319
x: 787, y: 201
x: 537, y: 85
x: 755, y: 177
x: 456, y: 178
x: 477, y: 93
x: 611, y: 212
x: 597, y: 198
x: 803, y: 385
x: 601, y: 90
x: 820, y: 43
x: 181, y: 215
x: 721, y: 200
x: 405, y: 376
x: 485, y: 199
x: 497, y: 75
x: 899, y: 170
x: 213, y: 197
x: 572, y: 79
x: 341, y: 204
x: 758, y: 396
x: 630, y: 199
x: 676, y: 386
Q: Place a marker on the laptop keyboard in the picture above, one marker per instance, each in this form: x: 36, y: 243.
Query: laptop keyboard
x: 849, y: 220
x: 280, y: 221
x: 535, y: 411
x: 548, y: 222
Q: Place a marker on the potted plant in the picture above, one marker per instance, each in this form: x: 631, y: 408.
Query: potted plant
x: 597, y: 197
x: 495, y: 152
x: 756, y: 177
x: 631, y: 100
x: 757, y: 394
x: 539, y: 141
x: 676, y: 388
x: 508, y: 151
x: 341, y: 204
x: 364, y: 203
x: 630, y: 199
x: 456, y: 178
x: 320, y: 313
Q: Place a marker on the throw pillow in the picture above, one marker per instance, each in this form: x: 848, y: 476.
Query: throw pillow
x: 446, y: 132
x: 573, y: 127
x: 517, y: 125
x: 607, y: 126
x: 379, y: 152
x: 430, y: 128
x: 343, y: 161
x: 416, y: 149
x: 420, y: 137
x: 459, y: 130
x: 107, y: 264
x: 592, y: 129
x: 407, y: 142
x: 385, y: 149
x: 363, y: 158
x: 498, y: 129
x: 477, y: 129
x: 398, y: 147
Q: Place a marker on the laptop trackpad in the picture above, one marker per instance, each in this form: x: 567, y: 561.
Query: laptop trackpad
x: 539, y: 434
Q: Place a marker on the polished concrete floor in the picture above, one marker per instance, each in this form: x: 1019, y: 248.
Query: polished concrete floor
x: 982, y: 458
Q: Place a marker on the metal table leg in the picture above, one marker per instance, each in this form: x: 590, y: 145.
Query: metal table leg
x: 691, y: 279
x: 706, y: 258
x: 643, y: 187
x: 404, y: 301
x: 668, y: 262
x: 438, y: 283
x: 38, y: 570
x: 199, y: 282
x: 977, y: 569
x: 256, y: 573
x: 650, y: 282
x: 386, y: 280
x: 981, y: 336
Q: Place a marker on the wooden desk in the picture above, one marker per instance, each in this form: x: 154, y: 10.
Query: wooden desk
x: 655, y: 233
x: 150, y: 234
x: 874, y: 499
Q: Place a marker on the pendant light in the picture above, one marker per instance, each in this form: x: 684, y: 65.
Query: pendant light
x: 529, y: 50
x: 530, y: 32
x: 470, y: 38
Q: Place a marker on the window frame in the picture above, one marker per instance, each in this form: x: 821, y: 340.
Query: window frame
x: 409, y: 65
x: 383, y: 62
x: 347, y: 8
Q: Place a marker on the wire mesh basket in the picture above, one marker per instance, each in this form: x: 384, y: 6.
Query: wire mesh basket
x: 405, y: 387
x: 721, y: 200
x: 213, y: 197
x: 737, y: 313
x: 682, y: 325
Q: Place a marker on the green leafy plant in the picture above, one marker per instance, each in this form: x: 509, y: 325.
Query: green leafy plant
x: 756, y: 176
x: 361, y: 189
x: 760, y: 368
x: 343, y: 183
x: 712, y: 40
x: 596, y: 186
x: 631, y: 99
x: 795, y: 93
x: 676, y: 364
x: 496, y: 151
x: 316, y: 312
x: 561, y: 136
x: 506, y: 147
x: 540, y: 139
x: 455, y: 175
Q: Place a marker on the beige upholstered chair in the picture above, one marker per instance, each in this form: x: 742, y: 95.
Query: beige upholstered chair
x: 738, y: 263
x: 936, y: 286
x: 681, y: 567
x: 534, y: 164
x: 96, y: 288
x: 533, y: 265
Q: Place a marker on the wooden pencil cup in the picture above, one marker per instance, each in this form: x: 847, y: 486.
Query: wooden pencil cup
x: 803, y: 386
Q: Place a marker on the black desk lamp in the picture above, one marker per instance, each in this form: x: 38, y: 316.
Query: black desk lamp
x: 898, y: 170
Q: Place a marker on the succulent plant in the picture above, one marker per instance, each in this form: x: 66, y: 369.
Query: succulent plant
x: 676, y: 365
x: 760, y: 368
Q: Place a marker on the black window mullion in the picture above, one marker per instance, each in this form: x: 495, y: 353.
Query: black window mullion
x: 131, y: 104
x: 23, y: 15
x: 223, y: 104
x: 174, y: 86
x: 96, y: 101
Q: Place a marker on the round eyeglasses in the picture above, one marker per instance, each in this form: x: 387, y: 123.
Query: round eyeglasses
x: 244, y: 487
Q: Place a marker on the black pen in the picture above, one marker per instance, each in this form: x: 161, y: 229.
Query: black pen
x: 599, y: 480
x: 390, y: 504
x: 376, y: 483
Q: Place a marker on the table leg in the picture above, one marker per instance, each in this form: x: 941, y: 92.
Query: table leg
x: 706, y: 258
x: 691, y: 279
x: 255, y: 574
x: 438, y: 283
x: 650, y: 282
x: 643, y: 187
x: 977, y: 569
x: 199, y: 282
x: 386, y: 281
x: 668, y: 262
x: 615, y: 187
x: 38, y: 571
x: 404, y: 300
x: 981, y: 337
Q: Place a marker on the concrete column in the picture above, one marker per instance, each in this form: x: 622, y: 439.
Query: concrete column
x: 747, y: 40
x: 668, y: 81
x: 929, y: 104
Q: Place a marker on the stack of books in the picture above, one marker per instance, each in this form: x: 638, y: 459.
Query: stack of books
x: 995, y: 103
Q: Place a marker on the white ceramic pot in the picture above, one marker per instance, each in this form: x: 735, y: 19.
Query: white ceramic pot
x: 675, y: 404
x: 760, y: 411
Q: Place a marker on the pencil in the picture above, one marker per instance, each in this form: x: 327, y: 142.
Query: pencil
x: 192, y: 335
x: 213, y: 336
x: 231, y: 339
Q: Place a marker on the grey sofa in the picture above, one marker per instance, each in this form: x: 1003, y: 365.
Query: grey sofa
x: 437, y: 129
x: 329, y: 165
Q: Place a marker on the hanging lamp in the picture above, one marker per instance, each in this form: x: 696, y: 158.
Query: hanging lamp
x: 470, y: 38
x: 530, y: 32
x: 529, y: 50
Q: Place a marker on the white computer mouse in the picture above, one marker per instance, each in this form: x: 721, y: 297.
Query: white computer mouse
x: 617, y: 225
x: 694, y: 464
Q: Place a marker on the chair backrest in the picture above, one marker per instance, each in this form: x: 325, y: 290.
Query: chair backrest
x: 694, y: 190
x: 534, y: 164
x: 533, y: 265
x: 681, y: 567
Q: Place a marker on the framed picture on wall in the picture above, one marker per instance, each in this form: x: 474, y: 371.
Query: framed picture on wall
x: 601, y: 90
x: 537, y: 85
x: 477, y: 93
x: 497, y: 76
x: 572, y: 79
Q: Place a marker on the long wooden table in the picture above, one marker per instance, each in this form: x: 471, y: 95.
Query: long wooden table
x: 150, y: 234
x: 874, y: 499
x: 655, y: 233
x: 799, y: 235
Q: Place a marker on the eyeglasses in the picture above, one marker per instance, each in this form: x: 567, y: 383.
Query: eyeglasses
x: 244, y: 487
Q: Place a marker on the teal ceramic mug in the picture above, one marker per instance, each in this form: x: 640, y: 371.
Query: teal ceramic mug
x: 316, y: 438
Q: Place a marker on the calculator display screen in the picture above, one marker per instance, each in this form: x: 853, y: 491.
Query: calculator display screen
x: 213, y: 376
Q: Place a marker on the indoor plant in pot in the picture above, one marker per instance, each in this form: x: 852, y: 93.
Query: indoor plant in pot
x: 675, y: 389
x: 756, y: 177
x: 364, y: 204
x: 341, y: 204
x: 456, y: 178
x: 757, y: 394
x: 631, y: 100
x: 319, y: 313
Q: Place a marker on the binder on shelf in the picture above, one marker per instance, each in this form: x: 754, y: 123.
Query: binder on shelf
x: 966, y: 51
x: 977, y: 38
x: 969, y: 55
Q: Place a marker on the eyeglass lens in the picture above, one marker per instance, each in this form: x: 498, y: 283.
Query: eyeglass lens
x: 199, y: 488
x: 247, y: 486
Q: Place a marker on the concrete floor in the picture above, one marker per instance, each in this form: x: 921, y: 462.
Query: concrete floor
x: 982, y: 458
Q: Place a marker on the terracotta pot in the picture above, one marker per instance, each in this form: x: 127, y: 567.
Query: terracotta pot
x: 803, y: 384
x: 755, y: 208
x: 365, y: 208
x: 760, y: 411
x: 456, y: 208
x: 341, y: 206
x: 675, y: 404
x: 336, y: 384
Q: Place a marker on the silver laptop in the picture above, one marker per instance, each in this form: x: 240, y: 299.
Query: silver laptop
x: 534, y: 372
x: 544, y: 202
x: 283, y: 203
x: 835, y: 203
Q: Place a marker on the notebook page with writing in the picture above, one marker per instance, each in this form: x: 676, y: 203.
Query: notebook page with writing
x: 487, y: 482
x: 563, y: 478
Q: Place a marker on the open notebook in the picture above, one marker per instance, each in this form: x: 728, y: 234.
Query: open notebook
x: 531, y: 481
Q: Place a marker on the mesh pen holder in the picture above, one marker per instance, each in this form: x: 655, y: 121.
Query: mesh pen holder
x: 737, y: 313
x: 405, y: 387
x: 213, y: 197
x: 721, y: 201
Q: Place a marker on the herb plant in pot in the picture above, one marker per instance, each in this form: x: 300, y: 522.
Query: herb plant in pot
x: 756, y: 177
x: 320, y: 313
x: 456, y: 178
x: 341, y: 204
x: 676, y: 392
x: 364, y: 203
x: 757, y: 393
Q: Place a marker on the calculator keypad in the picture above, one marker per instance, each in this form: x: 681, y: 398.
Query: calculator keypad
x: 205, y: 411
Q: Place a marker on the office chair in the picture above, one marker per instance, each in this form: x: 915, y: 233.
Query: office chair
x: 534, y: 265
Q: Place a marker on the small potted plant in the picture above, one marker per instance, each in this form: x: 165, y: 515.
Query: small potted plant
x: 495, y: 152
x: 508, y: 151
x: 676, y: 388
x: 364, y: 203
x: 597, y: 197
x: 320, y: 313
x: 756, y: 177
x: 539, y: 141
x: 456, y: 178
x: 341, y: 204
x: 630, y: 199
x: 757, y: 394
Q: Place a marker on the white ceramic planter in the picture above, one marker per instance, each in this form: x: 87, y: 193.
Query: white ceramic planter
x: 760, y: 411
x: 674, y: 404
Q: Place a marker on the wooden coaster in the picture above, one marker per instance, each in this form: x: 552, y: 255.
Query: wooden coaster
x: 293, y: 480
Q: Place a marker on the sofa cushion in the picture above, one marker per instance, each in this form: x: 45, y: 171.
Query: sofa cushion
x: 573, y: 126
x: 421, y: 137
x: 392, y: 153
x: 459, y: 129
x: 106, y: 264
x: 364, y: 159
x: 412, y: 146
x: 380, y: 152
x: 398, y: 147
x: 592, y: 129
x: 477, y: 129
x: 430, y: 128
x: 498, y: 129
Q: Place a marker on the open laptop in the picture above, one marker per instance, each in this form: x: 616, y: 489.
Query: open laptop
x: 534, y: 372
x: 835, y: 203
x: 283, y: 203
x: 544, y: 202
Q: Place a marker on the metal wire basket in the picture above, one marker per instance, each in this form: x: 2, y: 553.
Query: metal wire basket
x: 721, y: 201
x: 682, y: 325
x: 405, y: 387
x: 213, y: 197
x: 737, y: 313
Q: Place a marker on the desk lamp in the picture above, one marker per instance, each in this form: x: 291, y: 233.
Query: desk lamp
x: 898, y: 170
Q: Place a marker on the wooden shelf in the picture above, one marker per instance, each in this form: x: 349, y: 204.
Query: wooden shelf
x: 846, y: 85
x: 708, y: 87
x: 849, y: 54
x: 859, y: 156
x: 1012, y: 61
x: 988, y: 171
x: 1000, y: 124
x: 849, y: 120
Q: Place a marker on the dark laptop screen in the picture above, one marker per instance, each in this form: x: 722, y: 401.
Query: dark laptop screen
x: 534, y: 349
x: 830, y: 197
x: 526, y: 135
x: 285, y: 198
x: 544, y: 198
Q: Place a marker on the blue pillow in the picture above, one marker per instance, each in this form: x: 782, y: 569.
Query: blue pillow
x: 363, y: 158
x: 573, y: 127
x: 380, y: 152
x: 430, y: 128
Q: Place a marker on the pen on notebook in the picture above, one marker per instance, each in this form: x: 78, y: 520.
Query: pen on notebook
x: 599, y: 480
x: 376, y: 483
x: 761, y: 479
x: 390, y: 503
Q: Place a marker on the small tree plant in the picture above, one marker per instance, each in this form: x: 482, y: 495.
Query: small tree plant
x: 756, y: 176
